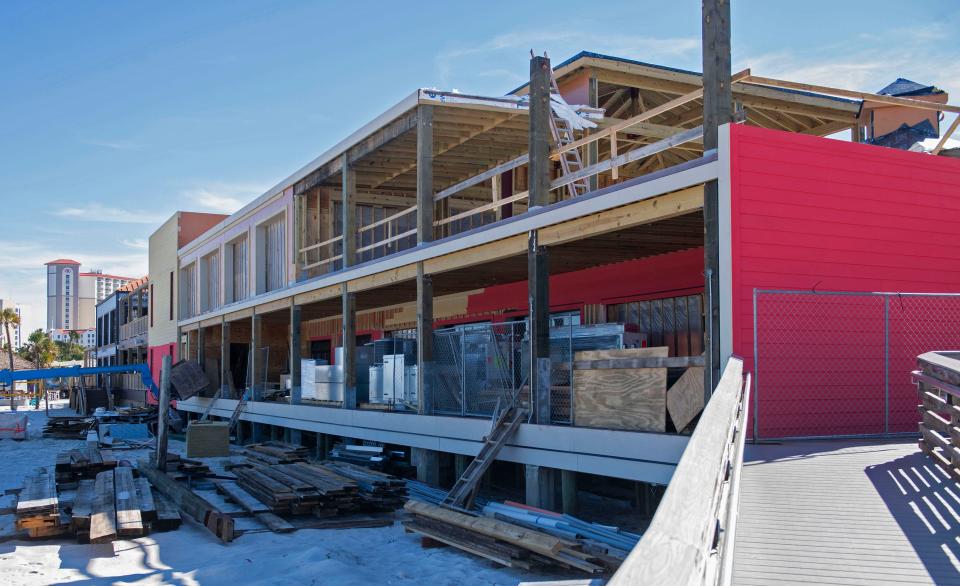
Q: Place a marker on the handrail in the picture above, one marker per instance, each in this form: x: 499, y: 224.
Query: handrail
x: 689, y: 540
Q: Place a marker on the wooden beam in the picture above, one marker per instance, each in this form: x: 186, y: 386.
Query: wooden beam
x: 296, y: 325
x: 651, y: 113
x: 946, y: 135
x: 822, y: 89
x: 348, y: 209
x: 424, y: 165
x: 717, y: 110
x: 539, y: 135
x: 424, y: 341
x: 349, y: 335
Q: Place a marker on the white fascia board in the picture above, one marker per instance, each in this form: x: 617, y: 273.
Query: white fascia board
x: 724, y: 226
x: 649, y: 457
x: 531, y: 220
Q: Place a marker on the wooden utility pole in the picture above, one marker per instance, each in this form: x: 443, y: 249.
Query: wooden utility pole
x: 717, y: 110
x: 163, y: 408
x: 538, y: 273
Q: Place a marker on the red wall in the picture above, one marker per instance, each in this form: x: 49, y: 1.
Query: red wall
x: 665, y: 275
x: 155, y: 356
x: 818, y: 213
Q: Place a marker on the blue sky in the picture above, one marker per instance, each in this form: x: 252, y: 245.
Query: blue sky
x: 115, y: 114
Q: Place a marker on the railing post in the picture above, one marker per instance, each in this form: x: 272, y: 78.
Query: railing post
x: 756, y: 372
x: 886, y: 364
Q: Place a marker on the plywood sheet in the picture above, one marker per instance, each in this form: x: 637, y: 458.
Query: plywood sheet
x: 621, y: 398
x: 685, y: 397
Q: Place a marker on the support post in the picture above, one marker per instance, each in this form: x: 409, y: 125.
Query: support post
x: 425, y: 203
x: 256, y: 372
x: 201, y: 348
x: 460, y: 463
x: 349, y: 335
x: 539, y: 135
x: 163, y: 413
x: 225, y: 390
x: 348, y: 208
x: 539, y: 483
x: 717, y: 110
x: 538, y: 299
x: 593, y: 149
x: 296, y: 437
x: 424, y: 342
x: 428, y: 465
x: 568, y: 490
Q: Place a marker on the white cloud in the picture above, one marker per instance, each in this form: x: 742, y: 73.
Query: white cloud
x: 224, y: 198
x: 138, y: 243
x: 563, y: 42
x: 120, y: 145
x: 97, y: 212
x: 868, y: 62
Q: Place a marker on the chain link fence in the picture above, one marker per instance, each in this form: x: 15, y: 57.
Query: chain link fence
x: 831, y: 364
x: 476, y: 367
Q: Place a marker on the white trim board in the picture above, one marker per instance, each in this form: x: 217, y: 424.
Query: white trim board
x: 620, y: 195
x: 648, y: 457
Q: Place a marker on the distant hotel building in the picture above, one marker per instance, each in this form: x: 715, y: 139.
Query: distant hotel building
x: 72, y: 296
x: 15, y: 331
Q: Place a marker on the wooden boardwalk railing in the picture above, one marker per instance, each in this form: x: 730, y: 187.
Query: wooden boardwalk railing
x: 690, y: 540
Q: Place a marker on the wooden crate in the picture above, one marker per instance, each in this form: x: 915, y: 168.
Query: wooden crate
x: 633, y: 399
x: 207, y: 439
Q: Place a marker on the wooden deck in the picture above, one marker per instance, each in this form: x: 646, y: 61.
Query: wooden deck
x: 846, y: 512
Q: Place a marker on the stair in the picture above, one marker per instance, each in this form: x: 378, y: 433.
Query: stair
x: 462, y: 494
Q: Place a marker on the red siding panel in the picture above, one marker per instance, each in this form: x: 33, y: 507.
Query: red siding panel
x: 812, y: 213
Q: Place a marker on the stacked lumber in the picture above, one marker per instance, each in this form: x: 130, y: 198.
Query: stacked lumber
x: 370, y: 456
x: 377, y: 489
x: 498, y: 540
x: 299, y: 488
x: 81, y: 463
x: 68, y: 427
x: 273, y: 452
x: 38, y: 508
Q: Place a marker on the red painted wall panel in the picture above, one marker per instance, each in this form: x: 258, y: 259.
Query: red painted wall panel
x: 818, y: 213
x: 155, y: 356
x: 665, y: 275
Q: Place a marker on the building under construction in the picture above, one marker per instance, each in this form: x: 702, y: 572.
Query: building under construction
x: 460, y: 255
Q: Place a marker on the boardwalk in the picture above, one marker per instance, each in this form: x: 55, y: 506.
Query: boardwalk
x: 846, y: 512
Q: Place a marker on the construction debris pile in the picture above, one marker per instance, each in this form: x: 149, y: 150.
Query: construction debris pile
x: 68, y: 427
x: 518, y: 536
x: 90, y: 496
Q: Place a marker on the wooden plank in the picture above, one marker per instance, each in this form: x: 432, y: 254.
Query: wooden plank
x: 685, y: 397
x: 129, y: 522
x: 647, y: 362
x: 946, y: 135
x: 247, y: 501
x: 187, y: 501
x: 83, y: 504
x: 168, y: 517
x: 148, y: 508
x: 103, y: 520
x: 823, y: 89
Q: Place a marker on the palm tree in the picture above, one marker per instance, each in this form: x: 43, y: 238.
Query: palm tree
x: 9, y: 317
x: 42, y: 351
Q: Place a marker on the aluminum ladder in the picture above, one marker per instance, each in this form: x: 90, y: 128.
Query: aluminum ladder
x: 463, y: 492
x: 570, y: 161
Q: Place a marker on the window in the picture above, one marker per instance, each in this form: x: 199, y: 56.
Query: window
x: 170, y: 297
x: 151, y: 305
x: 237, y: 263
x: 188, y: 291
x: 274, y: 267
x: 210, y: 282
